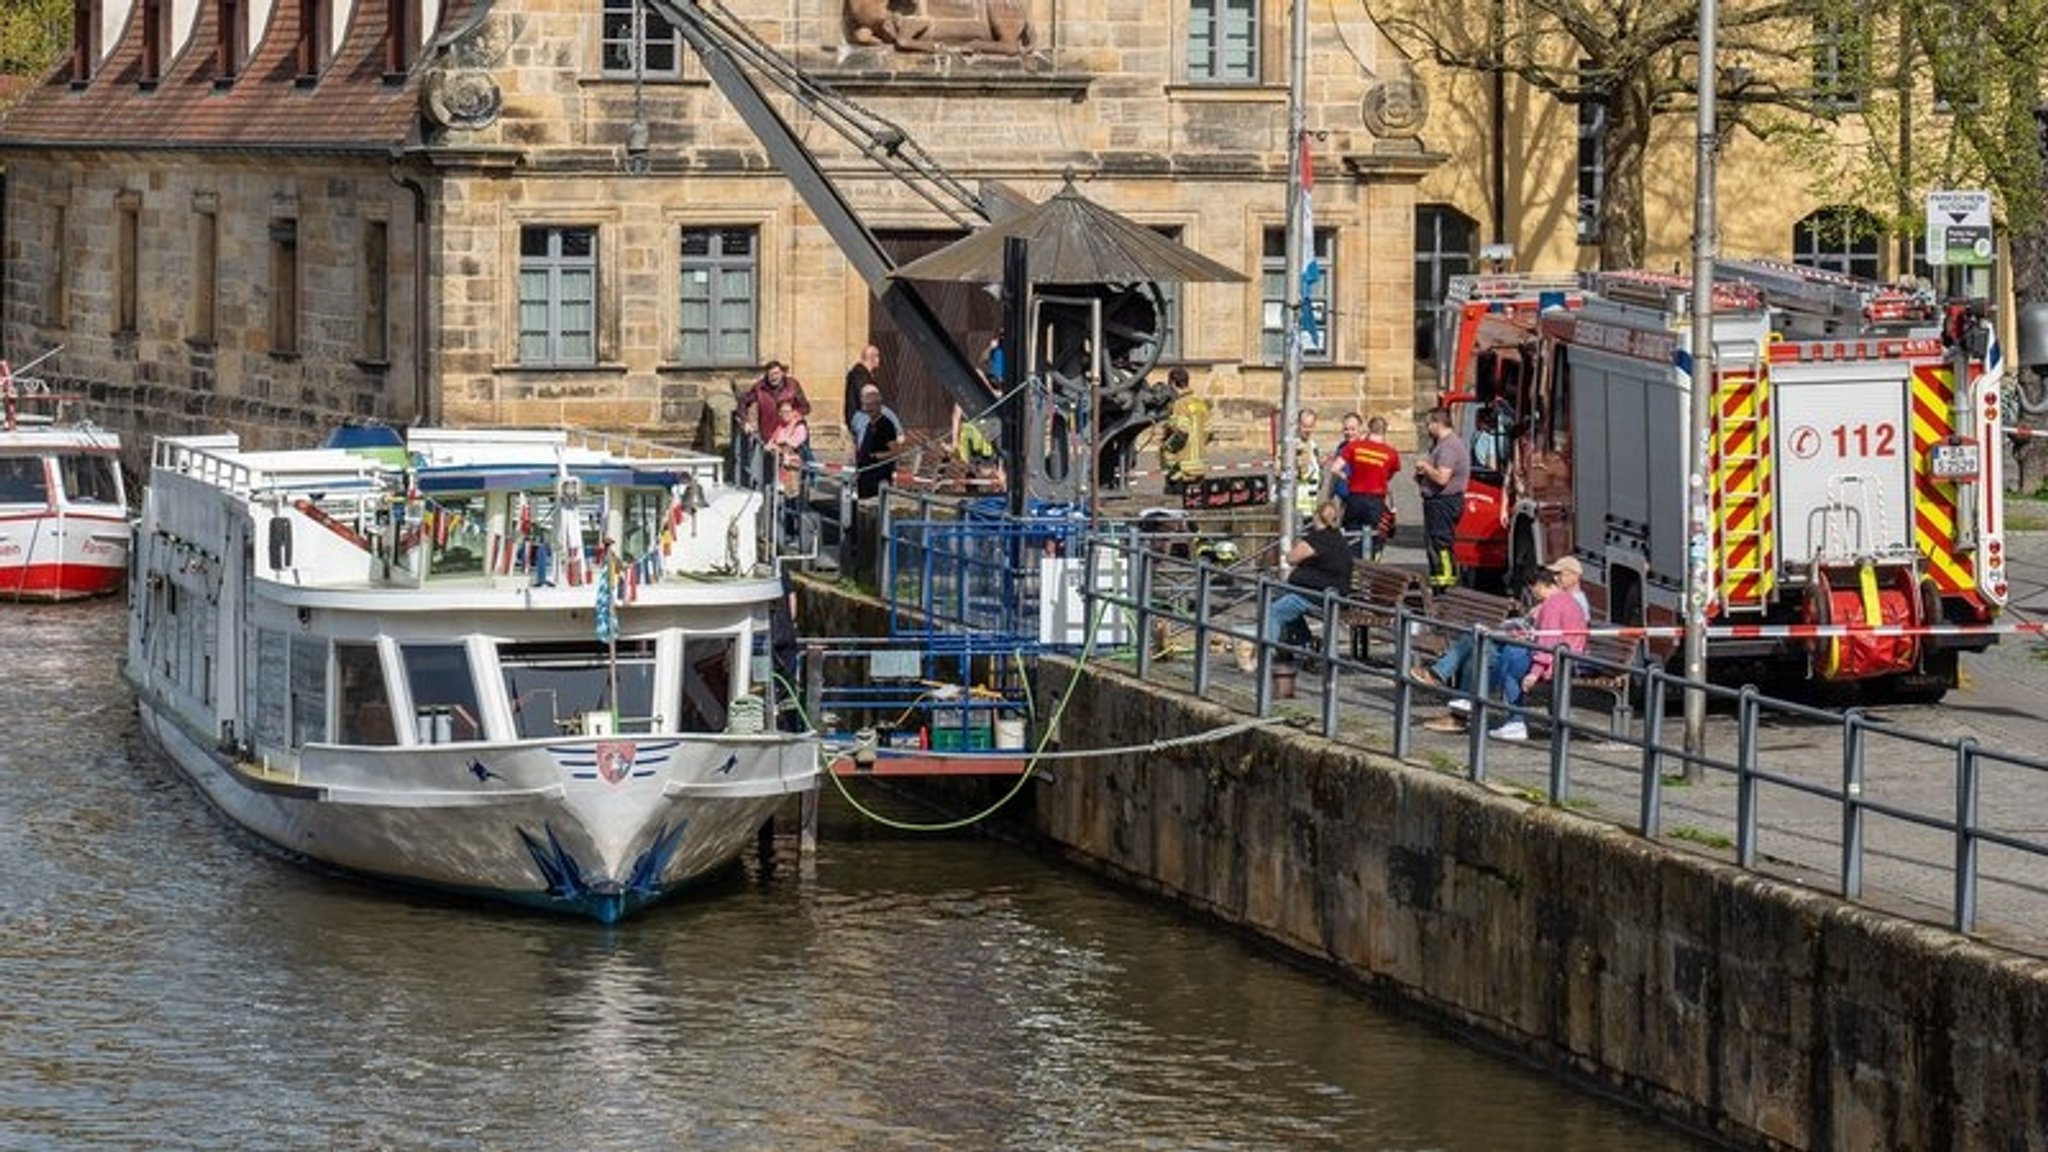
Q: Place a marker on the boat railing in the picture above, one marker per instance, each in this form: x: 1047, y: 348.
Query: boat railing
x: 208, y: 458
x: 195, y: 458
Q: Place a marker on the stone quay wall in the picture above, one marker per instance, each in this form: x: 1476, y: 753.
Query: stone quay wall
x: 1762, y: 1013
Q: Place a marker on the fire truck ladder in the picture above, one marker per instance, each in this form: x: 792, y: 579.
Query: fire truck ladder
x: 1820, y: 302
x: 1745, y: 539
x: 1853, y: 525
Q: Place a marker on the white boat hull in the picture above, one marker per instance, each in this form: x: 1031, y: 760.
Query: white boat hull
x: 599, y: 827
x: 58, y: 556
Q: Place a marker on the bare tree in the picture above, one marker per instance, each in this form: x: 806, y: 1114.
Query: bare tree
x: 1635, y: 59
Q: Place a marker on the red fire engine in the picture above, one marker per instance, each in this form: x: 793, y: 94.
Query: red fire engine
x: 1853, y: 470
x: 1485, y: 329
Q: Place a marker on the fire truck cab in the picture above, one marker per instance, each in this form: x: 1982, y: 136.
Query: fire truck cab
x: 1852, y: 471
x: 1486, y: 332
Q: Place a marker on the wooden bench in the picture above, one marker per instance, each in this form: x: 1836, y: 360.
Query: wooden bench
x: 1607, y: 681
x: 1378, y: 593
x: 1459, y: 609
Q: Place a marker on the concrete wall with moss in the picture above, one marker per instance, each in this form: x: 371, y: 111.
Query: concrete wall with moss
x: 1762, y: 1012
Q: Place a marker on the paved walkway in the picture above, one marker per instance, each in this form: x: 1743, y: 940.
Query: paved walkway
x: 1906, y: 866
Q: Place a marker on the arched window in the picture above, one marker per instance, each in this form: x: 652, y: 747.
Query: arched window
x: 1839, y: 238
x: 1445, y: 246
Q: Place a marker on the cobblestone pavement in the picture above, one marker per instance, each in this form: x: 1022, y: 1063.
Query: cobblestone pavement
x: 1906, y: 866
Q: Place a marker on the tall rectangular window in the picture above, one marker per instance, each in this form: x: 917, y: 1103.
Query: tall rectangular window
x: 557, y: 296
x: 1445, y: 240
x: 315, y: 42
x: 127, y: 261
x: 205, y: 274
x: 1841, y: 59
x: 1592, y: 165
x: 375, y: 291
x: 401, y: 37
x: 1168, y: 322
x: 1315, y: 346
x: 232, y: 48
x: 660, y: 54
x: 1223, y: 41
x: 85, y: 43
x: 284, y: 287
x: 720, y: 274
x: 155, y: 40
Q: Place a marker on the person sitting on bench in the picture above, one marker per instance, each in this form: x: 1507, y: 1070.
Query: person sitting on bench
x: 1516, y: 668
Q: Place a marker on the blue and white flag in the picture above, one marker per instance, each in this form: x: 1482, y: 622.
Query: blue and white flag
x: 607, y: 615
x: 1311, y: 268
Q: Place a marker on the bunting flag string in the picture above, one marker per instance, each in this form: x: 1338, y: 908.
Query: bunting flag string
x: 524, y: 549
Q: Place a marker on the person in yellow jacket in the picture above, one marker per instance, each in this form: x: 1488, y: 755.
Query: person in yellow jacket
x: 1308, y: 466
x: 1187, y: 430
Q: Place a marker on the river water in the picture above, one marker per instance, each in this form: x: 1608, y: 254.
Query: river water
x: 168, y: 983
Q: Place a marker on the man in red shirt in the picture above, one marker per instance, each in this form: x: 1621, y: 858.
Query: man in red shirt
x: 1368, y: 462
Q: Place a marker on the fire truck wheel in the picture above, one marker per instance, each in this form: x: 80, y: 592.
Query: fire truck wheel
x: 1927, y: 685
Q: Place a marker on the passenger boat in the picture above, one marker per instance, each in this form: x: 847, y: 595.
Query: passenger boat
x: 63, y: 507
x: 511, y: 664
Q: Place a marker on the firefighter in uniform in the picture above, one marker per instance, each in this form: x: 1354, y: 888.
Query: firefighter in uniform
x: 1441, y: 474
x: 1187, y: 429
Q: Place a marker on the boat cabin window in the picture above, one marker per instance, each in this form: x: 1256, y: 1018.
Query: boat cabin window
x: 22, y: 480
x: 707, y: 684
x: 456, y: 540
x: 553, y: 687
x: 90, y: 479
x: 646, y: 512
x: 309, y: 691
x: 444, y: 705
x: 362, y: 707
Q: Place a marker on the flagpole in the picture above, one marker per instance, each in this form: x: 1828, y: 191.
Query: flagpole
x: 1290, y: 373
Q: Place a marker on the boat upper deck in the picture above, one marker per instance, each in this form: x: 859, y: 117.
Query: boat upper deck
x: 540, y: 508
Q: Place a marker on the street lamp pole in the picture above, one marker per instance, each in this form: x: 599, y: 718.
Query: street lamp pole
x: 1290, y: 372
x: 1705, y: 240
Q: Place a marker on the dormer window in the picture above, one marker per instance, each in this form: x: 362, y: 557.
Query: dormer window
x: 85, y: 23
x: 315, y: 42
x: 156, y: 39
x: 401, y: 34
x: 231, y: 48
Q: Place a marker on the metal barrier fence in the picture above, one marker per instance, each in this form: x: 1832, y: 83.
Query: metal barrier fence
x: 1158, y: 592
x: 1125, y: 591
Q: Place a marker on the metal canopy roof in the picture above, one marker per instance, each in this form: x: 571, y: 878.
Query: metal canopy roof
x: 1072, y: 240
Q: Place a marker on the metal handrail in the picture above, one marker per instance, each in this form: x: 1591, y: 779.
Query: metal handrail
x: 1207, y: 616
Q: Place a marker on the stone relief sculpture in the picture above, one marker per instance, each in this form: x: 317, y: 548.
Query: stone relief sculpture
x: 1396, y: 108
x: 460, y: 91
x: 1001, y: 27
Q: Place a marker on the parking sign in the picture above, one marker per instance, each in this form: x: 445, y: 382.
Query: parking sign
x: 1959, y: 228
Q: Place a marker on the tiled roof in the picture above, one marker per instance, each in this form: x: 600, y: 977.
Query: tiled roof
x: 351, y: 108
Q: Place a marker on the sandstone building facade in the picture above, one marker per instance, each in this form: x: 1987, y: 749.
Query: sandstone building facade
x: 267, y: 215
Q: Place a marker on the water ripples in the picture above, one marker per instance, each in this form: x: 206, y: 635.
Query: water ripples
x: 173, y: 985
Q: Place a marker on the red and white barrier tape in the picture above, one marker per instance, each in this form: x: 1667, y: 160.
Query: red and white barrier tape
x: 1807, y: 631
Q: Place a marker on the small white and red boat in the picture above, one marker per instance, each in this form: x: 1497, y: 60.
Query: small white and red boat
x: 64, y: 527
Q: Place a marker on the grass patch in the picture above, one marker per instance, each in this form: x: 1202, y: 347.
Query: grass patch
x: 1701, y: 836
x: 2025, y: 520
x: 1443, y: 762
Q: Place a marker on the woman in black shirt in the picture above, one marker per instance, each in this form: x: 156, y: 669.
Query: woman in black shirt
x: 1321, y: 561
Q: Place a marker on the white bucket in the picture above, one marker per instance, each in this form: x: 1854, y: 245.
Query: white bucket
x: 1009, y: 732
